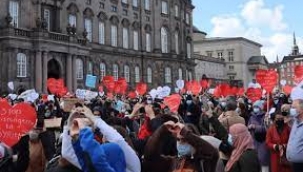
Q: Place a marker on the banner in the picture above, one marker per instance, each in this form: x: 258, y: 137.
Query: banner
x: 90, y: 81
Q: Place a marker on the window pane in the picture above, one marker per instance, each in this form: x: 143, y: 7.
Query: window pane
x: 125, y: 38
x: 180, y: 73
x: 21, y: 65
x: 101, y: 33
x: 147, y: 7
x: 164, y: 7
x: 167, y: 75
x: 164, y: 40
x: 149, y: 75
x: 137, y: 74
x: 136, y: 40
x: 148, y: 42
x: 90, y: 68
x: 124, y: 1
x: 72, y: 19
x: 188, y: 50
x: 177, y: 42
x: 176, y: 11
x: 47, y: 18
x: 79, y: 67
x: 102, y: 70
x: 115, y: 72
x: 135, y: 3
x: 14, y: 12
x: 114, y: 36
x: 89, y: 29
x: 187, y: 18
x: 126, y: 73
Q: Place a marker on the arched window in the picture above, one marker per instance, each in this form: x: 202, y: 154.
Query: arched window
x: 79, y: 69
x: 88, y: 25
x: 101, y: 32
x: 114, y: 35
x: 137, y: 74
x: 14, y: 12
x: 102, y: 70
x: 90, y: 68
x: 115, y: 72
x: 180, y: 72
x: 188, y: 47
x: 126, y: 73
x: 164, y: 39
x: 167, y: 75
x: 125, y: 38
x: 148, y: 42
x: 149, y: 75
x: 177, y: 42
x: 136, y: 40
x: 21, y: 65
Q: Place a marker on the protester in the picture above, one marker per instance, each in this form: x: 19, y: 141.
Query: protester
x: 295, y: 147
x: 257, y: 128
x: 276, y: 141
x: 6, y: 159
x: 243, y: 158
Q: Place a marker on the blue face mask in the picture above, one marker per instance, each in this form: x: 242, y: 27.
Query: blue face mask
x: 293, y: 112
x: 230, y: 140
x: 189, y: 102
x: 184, y: 149
x: 256, y: 110
x: 276, y: 101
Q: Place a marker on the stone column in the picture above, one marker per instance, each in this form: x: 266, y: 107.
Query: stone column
x: 38, y: 74
x: 74, y: 73
x: 69, y: 72
x: 44, y: 64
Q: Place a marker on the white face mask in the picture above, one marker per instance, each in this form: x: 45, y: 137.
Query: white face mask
x: 184, y: 149
x: 293, y: 112
x: 256, y: 110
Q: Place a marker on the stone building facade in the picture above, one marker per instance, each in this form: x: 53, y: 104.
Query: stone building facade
x: 236, y: 53
x: 142, y: 40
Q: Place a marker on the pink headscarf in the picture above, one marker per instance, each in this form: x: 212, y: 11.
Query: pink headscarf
x: 242, y: 141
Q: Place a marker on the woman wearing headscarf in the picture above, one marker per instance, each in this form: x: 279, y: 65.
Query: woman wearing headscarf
x: 276, y: 141
x: 243, y: 158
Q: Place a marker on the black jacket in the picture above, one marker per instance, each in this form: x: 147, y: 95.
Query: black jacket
x: 248, y: 162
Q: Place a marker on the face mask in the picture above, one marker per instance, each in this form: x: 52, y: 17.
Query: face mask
x: 47, y: 114
x: 276, y: 101
x: 256, y: 110
x: 293, y: 112
x: 149, y: 102
x: 184, y: 149
x: 280, y: 123
x: 189, y: 102
x: 33, y: 135
x: 230, y: 140
x: 238, y: 110
x: 223, y: 104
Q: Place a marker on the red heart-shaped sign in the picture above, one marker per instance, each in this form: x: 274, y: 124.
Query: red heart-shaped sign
x: 268, y: 79
x: 195, y: 87
x: 287, y: 89
x: 141, y: 88
x: 132, y: 95
x: 204, y: 83
x: 15, y: 122
x: 254, y: 94
x: 241, y: 91
x: 173, y: 102
x: 298, y: 74
x: 56, y: 86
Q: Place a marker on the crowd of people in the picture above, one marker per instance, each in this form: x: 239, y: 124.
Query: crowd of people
x: 123, y: 134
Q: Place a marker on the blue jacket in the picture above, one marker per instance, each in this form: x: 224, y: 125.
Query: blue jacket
x: 94, y: 157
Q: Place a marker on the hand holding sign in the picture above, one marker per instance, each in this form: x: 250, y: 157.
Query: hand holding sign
x: 173, y: 102
x: 16, y: 121
x: 267, y: 78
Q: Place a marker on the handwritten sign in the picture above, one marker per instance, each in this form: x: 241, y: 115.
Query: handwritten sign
x: 68, y: 104
x: 90, y: 81
x: 16, y: 121
x: 53, y: 123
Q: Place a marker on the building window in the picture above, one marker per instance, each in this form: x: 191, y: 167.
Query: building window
x: 136, y: 40
x: 149, y: 75
x: 88, y: 2
x: 114, y: 36
x: 231, y: 67
x: 114, y: 8
x: 102, y: 70
x: 90, y: 68
x: 231, y: 56
x: 135, y: 3
x: 188, y: 49
x: 148, y: 42
x: 124, y: 1
x: 190, y: 76
x: 164, y: 7
x: 177, y: 42
x: 47, y: 18
x: 14, y: 12
x: 167, y: 75
x: 72, y: 19
x: 220, y: 55
x: 124, y: 12
x: 137, y: 74
x: 101, y: 33
x: 115, y: 72
x: 89, y: 29
x: 180, y: 73
x: 147, y: 5
x: 176, y: 11
x: 147, y: 18
x: 187, y: 18
x: 101, y: 5
x: 125, y: 38
x: 209, y: 53
x: 21, y: 65
x: 79, y: 67
x: 164, y: 40
x: 126, y: 73
x: 231, y: 77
